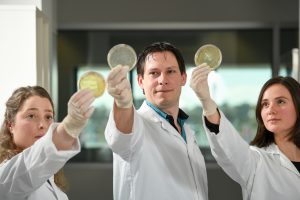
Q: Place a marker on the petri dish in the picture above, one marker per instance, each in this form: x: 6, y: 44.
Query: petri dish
x: 93, y: 81
x: 121, y: 54
x: 209, y: 54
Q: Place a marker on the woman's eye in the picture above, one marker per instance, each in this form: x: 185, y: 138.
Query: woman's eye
x: 265, y: 104
x: 31, y: 116
x: 50, y: 117
x: 280, y: 101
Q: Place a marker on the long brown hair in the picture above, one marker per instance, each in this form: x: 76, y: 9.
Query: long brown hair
x: 8, y: 149
x: 264, y: 137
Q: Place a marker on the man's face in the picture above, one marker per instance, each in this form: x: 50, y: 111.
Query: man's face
x: 162, y: 80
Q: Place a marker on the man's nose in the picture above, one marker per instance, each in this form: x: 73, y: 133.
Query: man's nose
x: 162, y: 79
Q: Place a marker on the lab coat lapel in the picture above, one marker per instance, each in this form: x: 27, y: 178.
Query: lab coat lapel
x: 153, y: 116
x: 284, y: 161
x: 165, y: 125
x: 169, y: 128
x: 53, y: 187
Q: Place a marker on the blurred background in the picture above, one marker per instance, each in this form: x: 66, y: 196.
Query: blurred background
x: 53, y: 42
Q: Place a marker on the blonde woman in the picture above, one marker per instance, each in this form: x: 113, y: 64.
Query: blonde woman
x: 33, y: 148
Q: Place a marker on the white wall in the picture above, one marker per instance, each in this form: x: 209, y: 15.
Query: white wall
x: 25, y: 46
x: 17, y: 49
x: 37, y: 3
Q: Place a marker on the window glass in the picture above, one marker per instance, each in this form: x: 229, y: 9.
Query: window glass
x: 235, y: 90
x: 289, y: 52
x: 235, y: 85
x: 93, y: 136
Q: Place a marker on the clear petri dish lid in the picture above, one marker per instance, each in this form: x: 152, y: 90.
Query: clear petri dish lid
x: 93, y: 81
x: 209, y: 54
x: 121, y: 54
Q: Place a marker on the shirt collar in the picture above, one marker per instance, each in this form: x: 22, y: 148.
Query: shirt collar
x: 181, y: 114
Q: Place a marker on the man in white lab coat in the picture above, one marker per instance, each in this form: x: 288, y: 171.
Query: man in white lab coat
x: 155, y: 152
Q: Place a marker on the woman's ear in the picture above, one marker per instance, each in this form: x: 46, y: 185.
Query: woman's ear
x: 9, y: 127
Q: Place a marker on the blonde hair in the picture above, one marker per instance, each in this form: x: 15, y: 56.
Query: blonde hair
x: 8, y: 149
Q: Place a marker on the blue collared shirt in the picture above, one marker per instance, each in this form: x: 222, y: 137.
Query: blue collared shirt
x: 182, y: 117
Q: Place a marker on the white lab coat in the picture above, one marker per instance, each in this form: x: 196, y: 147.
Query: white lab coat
x: 154, y: 162
x: 263, y: 173
x: 24, y: 177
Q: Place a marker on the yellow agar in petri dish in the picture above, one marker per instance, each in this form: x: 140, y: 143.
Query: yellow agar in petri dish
x: 93, y: 81
x: 209, y: 54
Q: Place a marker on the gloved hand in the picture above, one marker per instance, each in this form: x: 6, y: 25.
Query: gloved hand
x: 118, y: 86
x: 79, y: 111
x: 199, y: 84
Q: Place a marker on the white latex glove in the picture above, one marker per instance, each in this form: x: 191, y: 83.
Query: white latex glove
x: 79, y: 111
x: 199, y: 84
x: 118, y: 86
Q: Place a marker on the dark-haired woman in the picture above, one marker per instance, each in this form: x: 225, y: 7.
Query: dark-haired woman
x: 269, y: 167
